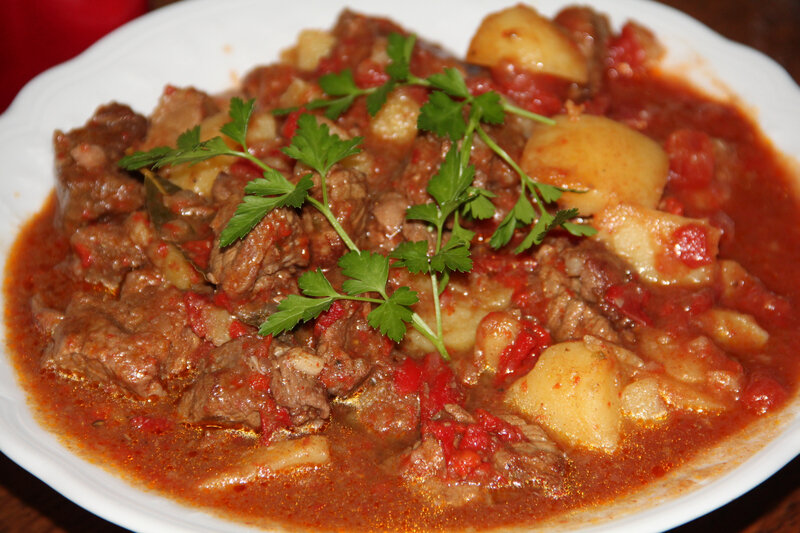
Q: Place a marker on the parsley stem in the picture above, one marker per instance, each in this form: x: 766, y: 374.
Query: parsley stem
x: 436, y: 308
x: 511, y: 108
x: 527, y: 182
x: 437, y: 341
x: 328, y: 214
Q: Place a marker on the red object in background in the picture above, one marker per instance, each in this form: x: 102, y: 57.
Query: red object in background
x: 37, y: 34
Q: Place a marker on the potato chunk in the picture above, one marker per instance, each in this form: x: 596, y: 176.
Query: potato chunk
x: 520, y: 35
x: 663, y: 248
x: 609, y: 160
x: 734, y: 331
x: 396, y: 122
x: 309, y: 451
x: 312, y: 45
x: 574, y: 392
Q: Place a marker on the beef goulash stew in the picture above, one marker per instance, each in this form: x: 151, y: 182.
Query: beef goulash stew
x: 376, y: 287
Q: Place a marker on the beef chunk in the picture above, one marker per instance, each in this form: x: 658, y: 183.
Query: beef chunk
x: 178, y: 110
x: 591, y: 32
x: 233, y: 387
x: 572, y: 282
x: 295, y: 386
x: 348, y: 345
x: 89, y: 184
x: 252, y: 383
x: 261, y: 266
x: 347, y: 195
x: 379, y: 408
x: 104, y: 253
x: 135, y: 345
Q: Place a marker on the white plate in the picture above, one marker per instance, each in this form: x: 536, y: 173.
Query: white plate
x: 209, y: 44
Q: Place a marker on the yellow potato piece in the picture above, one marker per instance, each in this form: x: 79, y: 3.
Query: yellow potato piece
x: 308, y: 451
x: 396, y: 122
x: 610, y: 161
x: 573, y: 392
x: 643, y: 237
x: 734, y: 331
x: 522, y: 36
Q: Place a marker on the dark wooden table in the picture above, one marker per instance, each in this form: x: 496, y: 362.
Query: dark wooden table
x: 771, y: 26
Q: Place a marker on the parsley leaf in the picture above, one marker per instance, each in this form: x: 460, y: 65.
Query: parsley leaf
x: 488, y: 108
x: 339, y: 84
x: 314, y: 145
x: 259, y: 201
x: 292, y: 310
x: 451, y: 82
x: 391, y: 317
x: 413, y: 256
x: 478, y: 205
x: 399, y: 48
x: 314, y: 283
x: 376, y: 100
x: 443, y: 116
x: 369, y: 272
x: 240, y: 113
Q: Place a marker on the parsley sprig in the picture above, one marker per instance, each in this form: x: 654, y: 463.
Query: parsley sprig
x: 444, y: 114
x: 315, y: 146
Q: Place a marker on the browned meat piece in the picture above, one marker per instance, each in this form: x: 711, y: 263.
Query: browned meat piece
x: 267, y: 84
x: 250, y: 378
x: 536, y: 461
x: 347, y: 198
x: 461, y: 451
x: 295, y: 387
x: 89, y: 184
x: 591, y: 31
x: 233, y: 388
x: 356, y: 35
x: 426, y: 459
x: 104, y: 253
x: 256, y: 271
x: 178, y: 110
x: 135, y: 345
x: 378, y: 407
x: 348, y: 345
x: 594, y: 269
x: 248, y: 265
x: 573, y: 281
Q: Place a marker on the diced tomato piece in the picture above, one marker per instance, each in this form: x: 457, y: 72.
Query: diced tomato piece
x: 199, y: 251
x: 763, y: 393
x: 477, y: 439
x: 464, y: 463
x: 369, y: 73
x: 670, y: 204
x: 536, y: 92
x: 84, y: 254
x: 497, y: 426
x: 273, y: 418
x: 480, y: 85
x: 246, y: 169
x: 290, y: 125
x: 408, y: 376
x: 629, y: 299
x: 445, y: 433
x: 237, y: 329
x: 626, y: 54
x: 326, y: 319
x: 442, y: 388
x: 521, y: 355
x: 195, y: 304
x: 690, y: 245
x: 259, y: 382
x: 691, y: 159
